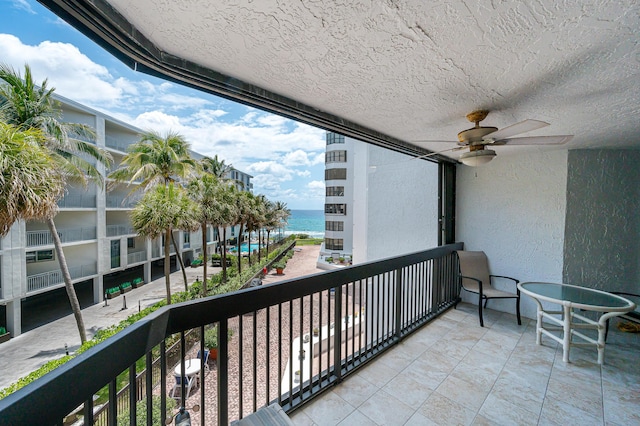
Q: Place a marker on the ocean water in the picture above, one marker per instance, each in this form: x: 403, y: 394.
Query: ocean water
x: 309, y: 222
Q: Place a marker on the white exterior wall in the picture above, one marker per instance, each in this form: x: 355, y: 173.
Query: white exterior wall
x: 402, y: 195
x: 514, y: 210
x: 347, y: 198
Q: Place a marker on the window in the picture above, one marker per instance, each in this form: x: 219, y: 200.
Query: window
x: 335, y: 157
x: 333, y: 243
x: 335, y: 208
x: 330, y: 225
x: 335, y: 191
x: 330, y: 174
x: 115, y: 254
x: 131, y: 243
x: 334, y: 138
x: 186, y: 237
x: 40, y: 256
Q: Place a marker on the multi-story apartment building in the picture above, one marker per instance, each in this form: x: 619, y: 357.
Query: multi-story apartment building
x: 359, y: 178
x: 99, y: 242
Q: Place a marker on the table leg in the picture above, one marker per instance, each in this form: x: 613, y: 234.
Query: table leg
x: 539, y: 325
x: 566, y: 338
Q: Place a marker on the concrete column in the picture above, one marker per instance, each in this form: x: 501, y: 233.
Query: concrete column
x: 14, y: 317
x: 98, y: 289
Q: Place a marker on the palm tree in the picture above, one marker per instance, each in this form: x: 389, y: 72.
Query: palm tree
x: 162, y: 209
x: 216, y: 167
x: 157, y: 160
x: 29, y: 186
x: 205, y: 192
x: 27, y: 106
x: 226, y: 217
x: 244, y: 206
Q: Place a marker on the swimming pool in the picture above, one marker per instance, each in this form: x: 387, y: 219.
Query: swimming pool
x: 244, y: 247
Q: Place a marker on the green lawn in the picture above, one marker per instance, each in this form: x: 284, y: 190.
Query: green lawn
x: 309, y: 242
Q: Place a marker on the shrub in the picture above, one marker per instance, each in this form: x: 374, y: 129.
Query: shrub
x: 125, y: 285
x: 113, y: 290
x: 137, y: 280
x: 329, y: 259
x: 279, y: 265
x: 141, y: 411
x: 3, y: 330
x: 303, y: 236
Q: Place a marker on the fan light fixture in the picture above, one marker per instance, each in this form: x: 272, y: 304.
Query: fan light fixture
x: 478, y: 157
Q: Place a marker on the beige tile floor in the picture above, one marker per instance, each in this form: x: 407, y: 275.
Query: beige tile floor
x: 453, y: 372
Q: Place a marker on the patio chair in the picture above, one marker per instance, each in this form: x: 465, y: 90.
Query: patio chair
x: 633, y: 316
x: 175, y: 391
x: 475, y: 278
x: 206, y: 360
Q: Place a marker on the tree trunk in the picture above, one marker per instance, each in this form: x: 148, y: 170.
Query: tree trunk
x: 167, y: 266
x: 249, y: 247
x: 268, y: 232
x: 184, y: 273
x: 204, y: 257
x: 239, y: 245
x: 259, y: 245
x: 71, y: 292
x: 224, y: 254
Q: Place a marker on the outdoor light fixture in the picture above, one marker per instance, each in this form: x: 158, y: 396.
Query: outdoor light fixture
x: 478, y: 157
x: 182, y: 417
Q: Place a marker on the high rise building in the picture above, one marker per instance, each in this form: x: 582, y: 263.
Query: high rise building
x: 359, y: 179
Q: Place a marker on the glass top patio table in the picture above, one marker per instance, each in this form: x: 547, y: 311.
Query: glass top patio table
x: 577, y: 297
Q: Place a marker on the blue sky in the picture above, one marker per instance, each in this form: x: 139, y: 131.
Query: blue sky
x: 286, y: 158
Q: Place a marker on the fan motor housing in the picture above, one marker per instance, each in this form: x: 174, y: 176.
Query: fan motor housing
x: 474, y: 135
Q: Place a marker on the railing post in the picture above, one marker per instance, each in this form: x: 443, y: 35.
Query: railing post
x: 337, y: 335
x: 398, y: 312
x: 223, y: 373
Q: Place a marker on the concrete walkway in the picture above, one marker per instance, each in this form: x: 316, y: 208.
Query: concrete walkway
x: 27, y: 352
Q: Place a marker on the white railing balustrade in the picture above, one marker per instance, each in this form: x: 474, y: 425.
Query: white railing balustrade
x: 115, y: 230
x: 68, y: 235
x: 137, y: 256
x: 47, y: 279
x: 77, y: 200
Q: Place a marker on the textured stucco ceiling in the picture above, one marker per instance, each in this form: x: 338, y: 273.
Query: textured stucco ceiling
x: 412, y: 69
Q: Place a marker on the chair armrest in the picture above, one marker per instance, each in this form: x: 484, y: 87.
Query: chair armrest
x: 471, y: 278
x: 502, y: 276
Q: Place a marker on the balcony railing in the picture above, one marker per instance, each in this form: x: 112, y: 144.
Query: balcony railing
x: 48, y: 279
x: 77, y: 200
x: 68, y: 235
x: 116, y: 143
x: 115, y: 230
x: 121, y: 201
x: 273, y: 356
x: 137, y: 256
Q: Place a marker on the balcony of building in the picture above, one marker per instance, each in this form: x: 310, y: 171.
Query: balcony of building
x: 39, y: 281
x: 75, y: 201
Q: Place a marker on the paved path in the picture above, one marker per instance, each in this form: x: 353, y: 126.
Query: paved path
x: 27, y: 352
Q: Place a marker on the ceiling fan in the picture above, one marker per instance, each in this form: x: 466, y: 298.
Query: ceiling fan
x: 478, y: 137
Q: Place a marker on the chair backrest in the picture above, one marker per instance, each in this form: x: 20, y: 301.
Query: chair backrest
x: 206, y: 355
x: 474, y: 264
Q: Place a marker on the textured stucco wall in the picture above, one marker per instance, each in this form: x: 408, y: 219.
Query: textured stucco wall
x: 603, y: 220
x: 402, y: 213
x: 513, y: 209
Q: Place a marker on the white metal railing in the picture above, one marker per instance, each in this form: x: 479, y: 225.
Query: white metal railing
x: 77, y: 200
x: 43, y: 237
x: 47, y: 279
x: 115, y: 230
x: 116, y: 143
x: 137, y: 256
x: 121, y: 201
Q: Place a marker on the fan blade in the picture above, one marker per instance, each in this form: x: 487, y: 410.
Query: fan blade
x: 430, y: 141
x: 457, y: 148
x: 516, y: 129
x: 536, y: 140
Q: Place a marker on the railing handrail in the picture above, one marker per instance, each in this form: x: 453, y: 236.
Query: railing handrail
x: 65, y: 388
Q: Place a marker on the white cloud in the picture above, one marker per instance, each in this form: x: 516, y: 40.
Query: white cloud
x: 23, y: 5
x: 157, y: 120
x: 316, y: 184
x: 296, y: 158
